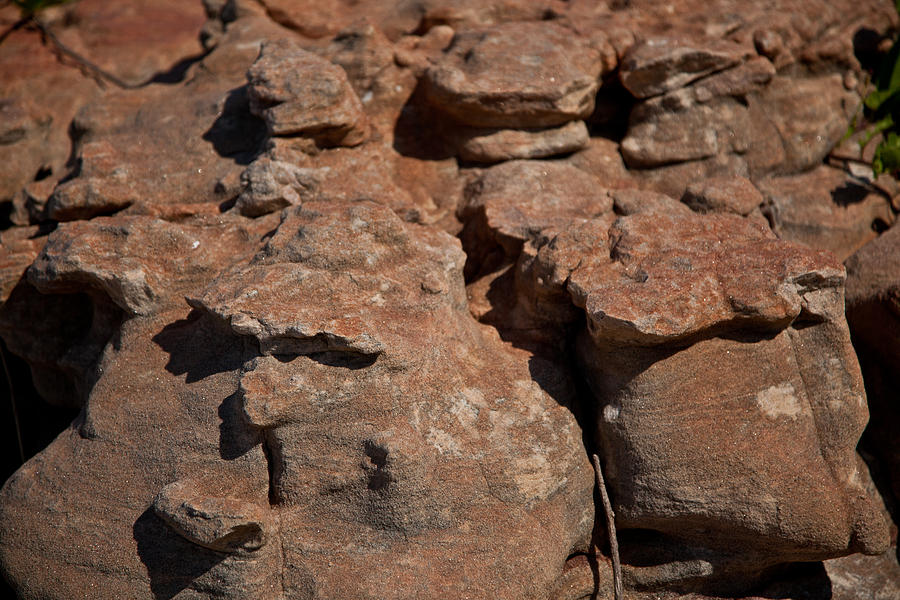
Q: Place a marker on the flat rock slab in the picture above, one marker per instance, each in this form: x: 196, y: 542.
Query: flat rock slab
x: 673, y: 277
x: 826, y: 208
x: 521, y: 201
x: 496, y: 145
x: 515, y: 75
x: 660, y: 65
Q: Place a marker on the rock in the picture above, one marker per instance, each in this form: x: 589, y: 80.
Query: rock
x: 395, y: 19
x: 196, y: 147
x: 676, y: 128
x: 486, y: 80
x: 873, y: 312
x: 270, y: 185
x: 857, y: 576
x: 373, y: 242
x: 89, y: 276
x: 634, y: 201
x: 788, y: 125
x: 19, y: 247
x: 495, y: 145
x: 324, y: 347
x: 521, y: 201
x: 660, y: 65
x: 418, y: 480
x: 298, y: 93
x: 222, y: 524
x: 810, y: 115
x: 136, y: 42
x: 746, y: 77
x: 750, y: 346
x: 761, y: 292
x: 602, y: 159
x: 372, y: 172
x: 825, y: 208
x: 723, y: 194
x: 383, y: 86
x: 674, y: 179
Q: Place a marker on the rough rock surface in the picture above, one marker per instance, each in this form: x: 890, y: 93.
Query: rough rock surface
x: 345, y: 296
x: 514, y: 75
x: 826, y: 208
x: 873, y: 311
x: 298, y: 93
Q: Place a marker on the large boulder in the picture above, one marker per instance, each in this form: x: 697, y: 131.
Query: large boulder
x: 290, y: 429
x: 728, y: 398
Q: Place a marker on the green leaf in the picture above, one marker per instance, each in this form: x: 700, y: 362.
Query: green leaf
x: 31, y: 7
x: 887, y: 155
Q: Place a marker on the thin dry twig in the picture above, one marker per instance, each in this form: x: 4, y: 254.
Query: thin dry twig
x: 610, y: 528
x: 12, y: 402
x: 95, y: 70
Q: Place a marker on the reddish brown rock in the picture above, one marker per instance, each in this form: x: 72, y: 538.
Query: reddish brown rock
x: 19, y: 247
x: 660, y: 65
x: 723, y: 194
x: 91, y: 275
x: 521, y: 201
x: 270, y: 185
x: 468, y: 460
x: 346, y: 410
x: 676, y: 128
x: 395, y: 19
x: 875, y: 577
x: 113, y: 172
x: 495, y: 145
x: 873, y: 312
x: 147, y: 38
x: 370, y: 60
x: 298, y: 93
x: 515, y: 75
x: 825, y: 208
x: 40, y: 94
x: 810, y: 115
x: 734, y: 349
x: 373, y: 172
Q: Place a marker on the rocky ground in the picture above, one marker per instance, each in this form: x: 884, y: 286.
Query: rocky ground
x: 342, y: 297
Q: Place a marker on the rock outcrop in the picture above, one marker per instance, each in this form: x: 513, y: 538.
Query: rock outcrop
x: 346, y: 296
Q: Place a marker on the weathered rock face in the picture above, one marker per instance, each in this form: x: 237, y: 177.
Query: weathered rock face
x: 826, y: 208
x: 39, y: 95
x: 518, y: 103
x: 298, y: 93
x: 655, y: 370
x: 476, y: 462
x: 873, y: 311
x: 346, y: 303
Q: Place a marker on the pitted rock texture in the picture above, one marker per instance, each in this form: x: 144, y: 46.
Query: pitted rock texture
x: 346, y: 295
x: 298, y: 93
x: 515, y: 75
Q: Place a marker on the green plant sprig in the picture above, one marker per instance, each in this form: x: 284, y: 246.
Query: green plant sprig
x: 883, y: 108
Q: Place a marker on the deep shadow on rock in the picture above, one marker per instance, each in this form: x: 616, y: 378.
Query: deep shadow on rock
x: 236, y: 133
x: 157, y: 544
x: 197, y: 349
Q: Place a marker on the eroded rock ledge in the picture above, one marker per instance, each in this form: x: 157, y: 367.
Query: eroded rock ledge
x: 348, y: 296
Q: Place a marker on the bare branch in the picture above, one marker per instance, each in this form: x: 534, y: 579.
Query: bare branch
x: 610, y: 527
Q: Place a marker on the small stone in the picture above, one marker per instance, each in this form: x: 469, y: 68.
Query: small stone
x: 299, y: 93
x: 495, y: 145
